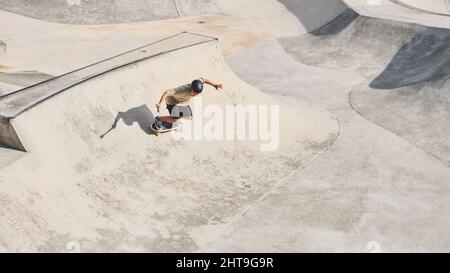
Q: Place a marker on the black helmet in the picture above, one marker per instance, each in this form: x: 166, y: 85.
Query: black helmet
x: 197, y: 86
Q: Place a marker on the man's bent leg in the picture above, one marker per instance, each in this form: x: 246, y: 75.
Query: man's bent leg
x: 168, y: 119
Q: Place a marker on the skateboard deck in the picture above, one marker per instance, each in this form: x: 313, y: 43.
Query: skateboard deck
x: 164, y: 129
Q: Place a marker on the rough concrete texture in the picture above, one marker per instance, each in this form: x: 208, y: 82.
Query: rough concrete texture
x: 372, y: 170
x: 432, y: 6
x: 366, y: 188
x: 130, y: 191
x: 93, y: 12
x: 13, y: 104
x: 390, y: 10
x: 336, y: 25
x: 6, y: 88
x: 406, y: 69
x: 53, y: 44
x: 24, y: 79
x: 362, y: 188
x: 281, y: 18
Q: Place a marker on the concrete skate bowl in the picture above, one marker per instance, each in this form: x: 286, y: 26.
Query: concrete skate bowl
x: 410, y: 95
x: 439, y: 7
x: 129, y: 190
x: 281, y: 18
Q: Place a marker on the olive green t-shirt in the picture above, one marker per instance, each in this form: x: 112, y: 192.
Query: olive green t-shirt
x: 179, y: 95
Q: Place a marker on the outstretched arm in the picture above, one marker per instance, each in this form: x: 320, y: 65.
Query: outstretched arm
x: 217, y: 86
x: 163, y: 97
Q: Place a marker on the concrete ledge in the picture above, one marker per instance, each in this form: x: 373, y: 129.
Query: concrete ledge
x: 8, y: 136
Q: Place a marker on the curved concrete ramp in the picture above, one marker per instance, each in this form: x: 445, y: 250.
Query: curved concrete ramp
x: 281, y: 18
x: 432, y: 6
x: 372, y: 169
x: 422, y: 59
x: 15, y: 103
x: 406, y: 70
x: 372, y: 186
x: 92, y: 12
x: 123, y: 189
x: 393, y: 10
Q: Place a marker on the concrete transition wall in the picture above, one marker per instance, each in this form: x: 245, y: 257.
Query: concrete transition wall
x: 130, y: 190
x: 281, y: 18
x: 8, y: 137
x: 407, y: 73
x: 435, y: 6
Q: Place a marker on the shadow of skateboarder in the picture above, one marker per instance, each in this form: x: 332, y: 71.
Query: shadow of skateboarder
x: 142, y: 115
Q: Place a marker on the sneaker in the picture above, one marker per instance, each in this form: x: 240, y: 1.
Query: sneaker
x: 167, y: 125
x: 157, y: 124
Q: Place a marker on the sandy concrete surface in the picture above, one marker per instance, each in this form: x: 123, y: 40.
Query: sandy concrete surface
x: 433, y: 6
x: 359, y: 191
x: 363, y: 157
x: 281, y: 18
x: 59, y: 48
x: 123, y: 186
x: 406, y: 76
x: 390, y: 10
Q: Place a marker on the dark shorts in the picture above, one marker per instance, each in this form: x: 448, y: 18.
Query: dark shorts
x: 179, y: 111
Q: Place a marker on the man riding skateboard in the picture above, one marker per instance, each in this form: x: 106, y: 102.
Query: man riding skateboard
x: 176, y: 102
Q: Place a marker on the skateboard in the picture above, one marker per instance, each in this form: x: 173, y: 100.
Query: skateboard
x: 164, y: 129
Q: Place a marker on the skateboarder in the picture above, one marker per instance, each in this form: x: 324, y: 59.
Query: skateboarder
x: 176, y: 102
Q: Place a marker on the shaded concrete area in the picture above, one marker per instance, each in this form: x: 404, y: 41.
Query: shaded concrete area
x: 142, y: 115
x: 411, y: 61
x: 8, y: 135
x: 305, y: 10
x: 424, y: 58
x: 337, y: 25
x: 375, y: 46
